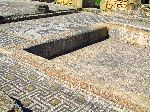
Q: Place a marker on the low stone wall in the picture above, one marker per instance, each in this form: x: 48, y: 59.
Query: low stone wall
x: 111, y: 5
x: 16, y: 18
x: 77, y: 3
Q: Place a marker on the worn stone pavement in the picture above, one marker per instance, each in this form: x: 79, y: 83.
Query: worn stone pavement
x: 25, y: 82
x: 39, y: 92
x: 6, y: 103
x: 9, y: 7
x: 120, y: 69
x: 18, y: 8
x: 107, y: 76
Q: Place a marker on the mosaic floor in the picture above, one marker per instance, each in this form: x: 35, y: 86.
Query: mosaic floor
x: 6, y: 103
x: 18, y: 8
x: 39, y: 92
x: 78, y: 81
x: 34, y: 29
x: 112, y: 65
x: 25, y: 34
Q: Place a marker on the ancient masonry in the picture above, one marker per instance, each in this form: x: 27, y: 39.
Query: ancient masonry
x: 77, y: 3
x: 120, y: 4
x: 57, y: 58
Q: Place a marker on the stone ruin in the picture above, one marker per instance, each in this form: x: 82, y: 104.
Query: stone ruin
x: 111, y: 5
x: 77, y: 3
x: 105, y: 5
x: 63, y: 60
x: 131, y: 7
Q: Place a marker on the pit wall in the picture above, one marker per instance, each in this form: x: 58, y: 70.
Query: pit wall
x: 68, y: 44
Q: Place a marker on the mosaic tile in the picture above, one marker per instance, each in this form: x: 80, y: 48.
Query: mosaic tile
x: 34, y: 90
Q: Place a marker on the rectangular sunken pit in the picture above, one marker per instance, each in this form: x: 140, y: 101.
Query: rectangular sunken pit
x: 56, y: 47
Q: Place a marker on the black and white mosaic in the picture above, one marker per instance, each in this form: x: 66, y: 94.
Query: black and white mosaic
x: 40, y: 93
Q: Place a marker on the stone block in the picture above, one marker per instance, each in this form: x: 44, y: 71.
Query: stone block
x: 112, y: 5
x: 77, y: 3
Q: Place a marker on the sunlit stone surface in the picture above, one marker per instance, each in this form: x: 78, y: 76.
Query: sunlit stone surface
x: 110, y: 75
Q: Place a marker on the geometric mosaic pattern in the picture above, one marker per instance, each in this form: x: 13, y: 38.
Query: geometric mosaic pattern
x: 6, y: 103
x: 36, y: 90
x: 39, y: 28
x: 10, y: 41
x: 40, y: 93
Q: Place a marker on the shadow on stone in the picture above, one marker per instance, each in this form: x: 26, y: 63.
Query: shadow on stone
x: 1, y: 18
x: 18, y: 102
x: 59, y: 47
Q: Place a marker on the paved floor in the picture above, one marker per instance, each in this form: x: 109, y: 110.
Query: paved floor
x: 53, y: 25
x: 6, y: 103
x: 18, y: 8
x: 39, y: 92
x: 33, y: 32
x: 9, y: 7
x: 119, y: 68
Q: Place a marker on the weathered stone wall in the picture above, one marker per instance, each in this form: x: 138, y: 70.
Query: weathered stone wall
x: 111, y: 5
x: 145, y: 9
x: 77, y: 3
